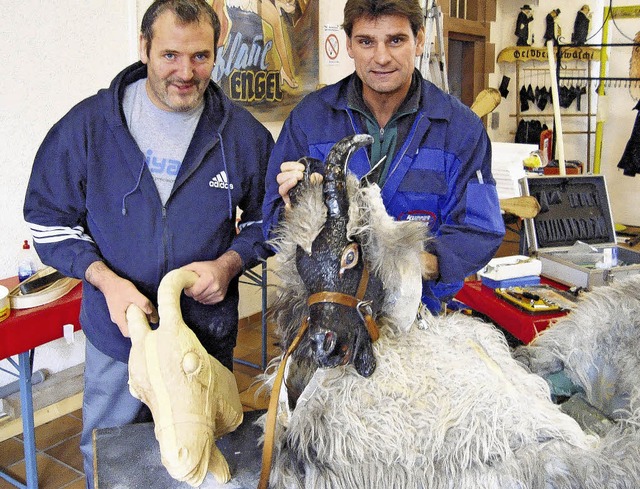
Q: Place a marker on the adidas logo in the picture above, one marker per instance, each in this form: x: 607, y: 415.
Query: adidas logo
x: 220, y: 181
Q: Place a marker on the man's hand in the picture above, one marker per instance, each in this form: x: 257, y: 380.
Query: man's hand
x: 119, y: 293
x: 429, y: 265
x: 213, y: 277
x: 291, y: 172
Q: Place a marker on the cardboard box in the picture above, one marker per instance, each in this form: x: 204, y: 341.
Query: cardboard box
x: 573, y: 235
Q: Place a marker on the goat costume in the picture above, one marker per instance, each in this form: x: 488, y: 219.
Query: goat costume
x: 91, y: 149
x: 440, y: 175
x: 447, y: 405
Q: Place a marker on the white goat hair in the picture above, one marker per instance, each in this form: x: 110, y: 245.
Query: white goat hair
x: 596, y: 346
x: 447, y: 406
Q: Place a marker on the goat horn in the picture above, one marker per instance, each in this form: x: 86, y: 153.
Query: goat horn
x: 169, y: 295
x: 311, y: 165
x: 335, y: 194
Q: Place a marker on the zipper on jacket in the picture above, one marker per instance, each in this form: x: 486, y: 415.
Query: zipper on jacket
x: 165, y: 264
x: 405, y: 147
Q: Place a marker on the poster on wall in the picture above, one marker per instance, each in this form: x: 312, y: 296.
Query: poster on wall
x: 267, y: 57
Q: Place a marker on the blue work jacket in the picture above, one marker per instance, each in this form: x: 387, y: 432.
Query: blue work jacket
x: 441, y: 175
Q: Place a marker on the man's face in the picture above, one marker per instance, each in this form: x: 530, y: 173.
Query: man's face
x: 179, y: 63
x: 384, y: 51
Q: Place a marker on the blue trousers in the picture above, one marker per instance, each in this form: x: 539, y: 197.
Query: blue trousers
x: 106, y: 402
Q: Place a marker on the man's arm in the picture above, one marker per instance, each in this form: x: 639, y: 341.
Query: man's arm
x: 55, y: 203
x: 290, y: 147
x: 248, y: 243
x: 119, y: 293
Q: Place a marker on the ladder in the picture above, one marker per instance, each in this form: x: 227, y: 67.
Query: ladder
x: 424, y: 63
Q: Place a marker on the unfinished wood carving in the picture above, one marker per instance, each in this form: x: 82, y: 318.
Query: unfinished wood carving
x: 194, y: 399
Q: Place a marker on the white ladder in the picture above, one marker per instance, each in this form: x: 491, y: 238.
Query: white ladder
x: 433, y: 65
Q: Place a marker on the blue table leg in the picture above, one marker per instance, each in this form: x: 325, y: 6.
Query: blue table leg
x: 28, y: 427
x: 26, y: 407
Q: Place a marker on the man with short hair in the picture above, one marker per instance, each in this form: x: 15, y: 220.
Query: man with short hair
x: 143, y: 178
x: 434, y: 154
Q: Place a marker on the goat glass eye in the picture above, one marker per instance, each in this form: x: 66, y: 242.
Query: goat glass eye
x: 349, y: 257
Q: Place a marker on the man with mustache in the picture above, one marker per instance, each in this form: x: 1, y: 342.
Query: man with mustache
x: 142, y: 178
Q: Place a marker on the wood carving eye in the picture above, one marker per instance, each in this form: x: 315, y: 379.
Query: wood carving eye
x: 349, y: 258
x: 191, y: 363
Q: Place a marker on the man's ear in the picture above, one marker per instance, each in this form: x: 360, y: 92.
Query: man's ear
x: 349, y: 51
x: 142, y: 50
x: 420, y: 40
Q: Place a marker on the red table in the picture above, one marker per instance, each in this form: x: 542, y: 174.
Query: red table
x: 521, y: 324
x: 20, y: 334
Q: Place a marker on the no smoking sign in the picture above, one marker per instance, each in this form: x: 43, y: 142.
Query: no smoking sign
x: 332, y: 46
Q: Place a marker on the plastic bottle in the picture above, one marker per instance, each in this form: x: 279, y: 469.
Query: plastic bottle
x: 27, y: 265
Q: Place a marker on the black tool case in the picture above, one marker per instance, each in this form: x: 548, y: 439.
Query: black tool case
x: 575, y: 208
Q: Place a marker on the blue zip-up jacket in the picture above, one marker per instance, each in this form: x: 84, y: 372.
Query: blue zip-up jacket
x: 441, y: 174
x: 92, y: 197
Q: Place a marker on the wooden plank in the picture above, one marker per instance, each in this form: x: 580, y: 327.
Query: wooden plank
x: 56, y: 396
x: 13, y: 427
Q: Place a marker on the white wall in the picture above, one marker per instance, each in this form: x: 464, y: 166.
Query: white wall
x: 624, y: 192
x: 57, y: 53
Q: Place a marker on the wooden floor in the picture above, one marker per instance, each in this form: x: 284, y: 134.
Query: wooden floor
x: 58, y: 441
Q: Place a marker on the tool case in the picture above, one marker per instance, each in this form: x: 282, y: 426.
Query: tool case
x: 575, y: 209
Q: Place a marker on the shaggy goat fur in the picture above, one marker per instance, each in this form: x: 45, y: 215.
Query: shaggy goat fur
x: 596, y: 346
x: 447, y: 406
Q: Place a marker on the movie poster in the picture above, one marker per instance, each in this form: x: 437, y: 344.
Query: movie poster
x: 267, y: 57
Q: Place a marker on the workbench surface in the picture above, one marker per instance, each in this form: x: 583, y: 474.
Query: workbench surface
x: 129, y: 457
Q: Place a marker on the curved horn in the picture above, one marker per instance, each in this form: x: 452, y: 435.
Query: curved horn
x: 311, y: 165
x: 335, y: 194
x: 169, y: 293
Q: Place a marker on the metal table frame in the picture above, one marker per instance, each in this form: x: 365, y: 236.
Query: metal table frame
x: 20, y: 334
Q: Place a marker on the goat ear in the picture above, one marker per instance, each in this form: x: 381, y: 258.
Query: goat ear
x: 374, y: 174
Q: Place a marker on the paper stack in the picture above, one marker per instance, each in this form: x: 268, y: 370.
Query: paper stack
x: 511, y: 271
x: 507, y: 167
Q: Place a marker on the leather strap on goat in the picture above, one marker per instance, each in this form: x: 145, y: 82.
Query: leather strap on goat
x: 270, y: 423
x: 355, y: 302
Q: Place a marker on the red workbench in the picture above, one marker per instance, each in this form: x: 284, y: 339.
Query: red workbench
x: 521, y: 324
x: 26, y: 329
x: 20, y: 334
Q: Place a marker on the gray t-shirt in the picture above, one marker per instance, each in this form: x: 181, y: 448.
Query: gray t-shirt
x: 162, y: 136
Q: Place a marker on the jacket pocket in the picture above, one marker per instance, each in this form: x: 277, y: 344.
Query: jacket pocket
x: 483, y: 208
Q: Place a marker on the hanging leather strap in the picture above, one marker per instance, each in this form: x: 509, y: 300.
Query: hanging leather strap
x: 270, y: 423
x: 363, y: 309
